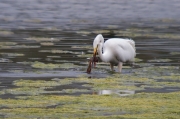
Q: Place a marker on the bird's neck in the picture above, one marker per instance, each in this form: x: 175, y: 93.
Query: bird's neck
x: 102, y: 55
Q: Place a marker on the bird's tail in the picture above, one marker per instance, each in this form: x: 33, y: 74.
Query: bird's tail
x: 132, y: 42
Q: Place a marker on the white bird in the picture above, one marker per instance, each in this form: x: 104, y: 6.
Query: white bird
x: 114, y: 50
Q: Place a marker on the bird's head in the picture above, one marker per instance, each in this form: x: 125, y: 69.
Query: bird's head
x: 92, y: 62
x: 99, y: 39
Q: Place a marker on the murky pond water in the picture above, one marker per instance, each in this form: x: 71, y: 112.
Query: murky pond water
x: 47, y: 40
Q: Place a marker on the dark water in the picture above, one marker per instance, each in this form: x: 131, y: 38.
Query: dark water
x: 71, y: 26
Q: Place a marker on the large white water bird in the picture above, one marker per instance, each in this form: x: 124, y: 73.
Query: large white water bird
x: 114, y: 50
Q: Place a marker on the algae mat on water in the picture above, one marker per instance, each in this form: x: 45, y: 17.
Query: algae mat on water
x: 142, y: 105
x: 41, y: 99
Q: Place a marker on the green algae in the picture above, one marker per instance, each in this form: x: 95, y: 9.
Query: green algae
x: 171, y: 77
x: 175, y: 53
x: 11, y: 54
x: 44, y: 66
x: 47, y: 43
x: 137, y: 60
x: 113, y: 83
x: 30, y: 87
x: 59, y: 52
x: 160, y: 60
x: 43, y: 39
x: 153, y: 71
x: 7, y: 43
x: 36, y: 83
x: 36, y: 104
x: 143, y: 105
x: 70, y: 91
x: 19, y: 46
x: 133, y: 32
x: 82, y: 47
x: 5, y: 60
x: 55, y: 57
x: 52, y: 66
x: 147, y: 76
x: 50, y: 29
x: 144, y: 32
x: 62, y: 82
x: 68, y: 65
x: 6, y: 33
x: 83, y: 32
x: 100, y: 31
x: 37, y: 87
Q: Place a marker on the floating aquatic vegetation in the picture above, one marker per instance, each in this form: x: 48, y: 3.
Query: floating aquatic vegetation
x: 7, y: 43
x: 160, y: 60
x: 137, y: 60
x: 42, y: 39
x: 30, y: 87
x: 175, y: 53
x: 169, y: 78
x: 52, y: 66
x: 59, y: 51
x: 47, y: 44
x: 35, y: 59
x: 6, y: 33
x: 70, y: 91
x: 148, y: 33
x: 36, y: 83
x: 15, y: 71
x: 100, y: 31
x: 154, y: 71
x: 83, y: 32
x: 116, y: 105
x: 36, y: 87
x: 62, y: 82
x: 112, y: 26
x: 99, y: 84
x: 19, y: 47
x: 55, y: 57
x: 68, y: 65
x: 82, y: 47
x: 23, y: 90
x: 167, y: 84
x: 44, y: 66
x: 50, y: 29
x: 12, y: 54
x: 166, y: 20
x: 5, y: 60
x: 144, y: 30
x: 25, y: 63
x: 142, y: 105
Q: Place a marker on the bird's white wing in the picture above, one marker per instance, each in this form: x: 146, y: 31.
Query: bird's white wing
x: 122, y: 50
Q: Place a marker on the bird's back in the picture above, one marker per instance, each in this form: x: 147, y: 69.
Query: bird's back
x: 123, y: 50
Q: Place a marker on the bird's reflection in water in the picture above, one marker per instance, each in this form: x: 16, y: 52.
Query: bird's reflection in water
x: 118, y: 92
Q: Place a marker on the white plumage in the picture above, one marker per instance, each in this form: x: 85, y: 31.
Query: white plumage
x: 115, y: 50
